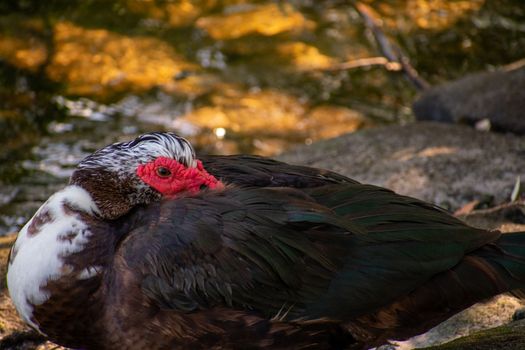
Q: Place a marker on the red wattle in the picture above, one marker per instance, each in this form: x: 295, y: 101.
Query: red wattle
x: 181, y: 179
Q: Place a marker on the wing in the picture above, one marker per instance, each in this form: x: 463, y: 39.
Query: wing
x: 259, y: 171
x: 407, y: 242
x: 261, y: 249
x: 334, y: 251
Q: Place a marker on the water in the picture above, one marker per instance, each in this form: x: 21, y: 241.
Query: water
x: 232, y: 76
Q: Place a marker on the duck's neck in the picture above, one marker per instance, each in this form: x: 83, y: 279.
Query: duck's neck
x: 48, y: 248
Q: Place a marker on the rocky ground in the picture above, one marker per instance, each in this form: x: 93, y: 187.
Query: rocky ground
x: 451, y: 165
x: 507, y: 337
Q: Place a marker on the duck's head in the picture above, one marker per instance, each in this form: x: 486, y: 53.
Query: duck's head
x: 125, y: 174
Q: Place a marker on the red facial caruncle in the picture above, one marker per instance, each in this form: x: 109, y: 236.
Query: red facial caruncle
x: 170, y: 177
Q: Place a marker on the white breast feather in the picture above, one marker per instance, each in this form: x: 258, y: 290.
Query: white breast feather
x: 38, y: 257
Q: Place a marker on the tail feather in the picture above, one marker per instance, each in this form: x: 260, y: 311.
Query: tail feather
x: 493, y: 269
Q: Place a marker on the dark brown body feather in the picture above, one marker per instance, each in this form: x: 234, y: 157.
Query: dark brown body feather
x: 284, y: 257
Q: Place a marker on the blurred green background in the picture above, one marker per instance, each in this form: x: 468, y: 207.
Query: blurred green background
x: 232, y: 76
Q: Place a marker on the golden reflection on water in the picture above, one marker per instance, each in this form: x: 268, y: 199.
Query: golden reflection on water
x: 196, y: 85
x: 267, y: 19
x: 268, y: 112
x: 93, y: 61
x: 100, y: 63
x: 438, y: 14
x: 427, y: 14
x: 26, y: 53
x: 330, y: 121
x: 176, y: 14
x: 22, y: 48
x: 303, y: 56
x: 273, y: 115
x: 97, y: 62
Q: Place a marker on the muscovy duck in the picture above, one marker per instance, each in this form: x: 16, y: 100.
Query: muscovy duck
x: 149, y: 247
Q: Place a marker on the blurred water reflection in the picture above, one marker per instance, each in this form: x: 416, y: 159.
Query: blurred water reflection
x: 232, y: 75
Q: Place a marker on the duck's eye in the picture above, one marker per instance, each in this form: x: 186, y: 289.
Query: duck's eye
x: 163, y: 171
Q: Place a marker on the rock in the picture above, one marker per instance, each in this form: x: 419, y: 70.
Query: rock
x: 508, y: 337
x: 449, y: 165
x: 495, y: 312
x: 489, y: 100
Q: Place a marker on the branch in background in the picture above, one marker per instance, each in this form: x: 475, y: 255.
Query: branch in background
x: 365, y: 62
x: 391, y: 52
x: 514, y: 65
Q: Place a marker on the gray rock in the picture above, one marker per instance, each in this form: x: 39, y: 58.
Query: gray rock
x: 496, y: 312
x: 493, y: 100
x: 507, y: 337
x: 449, y: 165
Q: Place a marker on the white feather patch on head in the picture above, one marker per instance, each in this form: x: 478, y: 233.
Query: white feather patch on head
x: 124, y: 157
x: 37, y: 258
